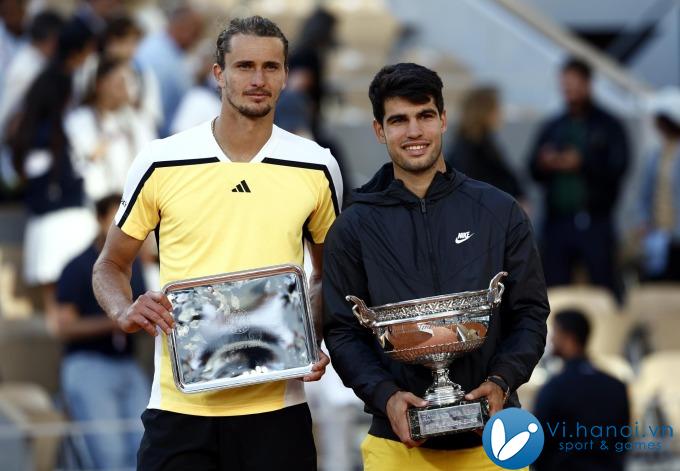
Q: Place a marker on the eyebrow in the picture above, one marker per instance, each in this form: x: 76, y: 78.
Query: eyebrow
x: 402, y: 115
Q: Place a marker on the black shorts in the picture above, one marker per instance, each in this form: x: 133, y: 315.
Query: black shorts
x: 280, y: 440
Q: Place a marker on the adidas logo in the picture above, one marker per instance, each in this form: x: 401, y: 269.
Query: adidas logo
x: 241, y: 188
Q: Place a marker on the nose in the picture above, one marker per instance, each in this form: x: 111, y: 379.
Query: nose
x: 414, y: 130
x: 257, y: 80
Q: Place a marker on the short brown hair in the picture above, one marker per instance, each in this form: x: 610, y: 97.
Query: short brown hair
x: 252, y: 25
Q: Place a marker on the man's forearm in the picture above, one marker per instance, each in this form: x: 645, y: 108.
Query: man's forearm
x: 111, y: 284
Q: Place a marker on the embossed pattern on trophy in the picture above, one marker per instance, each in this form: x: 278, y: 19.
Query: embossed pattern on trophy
x: 433, y: 332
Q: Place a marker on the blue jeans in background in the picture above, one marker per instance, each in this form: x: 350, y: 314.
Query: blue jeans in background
x: 98, y: 387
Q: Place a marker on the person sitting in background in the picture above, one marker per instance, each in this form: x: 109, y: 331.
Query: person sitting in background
x: 582, y: 395
x: 115, y: 387
x: 660, y: 194
x: 475, y: 151
x: 106, y: 132
x: 580, y: 158
x: 59, y: 225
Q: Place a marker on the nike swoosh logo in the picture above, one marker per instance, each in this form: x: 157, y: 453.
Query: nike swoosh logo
x: 460, y: 240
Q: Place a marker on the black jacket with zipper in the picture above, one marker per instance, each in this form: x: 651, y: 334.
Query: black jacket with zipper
x: 390, y: 246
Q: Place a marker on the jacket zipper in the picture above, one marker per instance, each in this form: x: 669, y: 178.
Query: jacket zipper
x: 430, y: 250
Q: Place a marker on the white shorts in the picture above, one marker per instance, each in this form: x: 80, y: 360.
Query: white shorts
x: 52, y: 240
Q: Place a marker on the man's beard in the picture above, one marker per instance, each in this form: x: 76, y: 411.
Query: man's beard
x: 249, y: 112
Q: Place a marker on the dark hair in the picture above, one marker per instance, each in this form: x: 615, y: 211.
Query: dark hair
x: 44, y: 25
x: 574, y: 323
x: 106, y: 66
x: 43, y: 111
x: 578, y: 66
x: 412, y: 82
x: 74, y: 37
x: 120, y: 27
x: 317, y: 31
x: 254, y: 26
x: 104, y: 205
x: 668, y: 127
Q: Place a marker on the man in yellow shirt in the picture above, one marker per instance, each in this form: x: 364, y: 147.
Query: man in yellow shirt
x: 230, y: 194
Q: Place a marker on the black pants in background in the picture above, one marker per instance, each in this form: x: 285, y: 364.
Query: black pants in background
x: 585, y: 239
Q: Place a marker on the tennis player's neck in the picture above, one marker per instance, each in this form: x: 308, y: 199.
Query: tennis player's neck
x: 242, y: 138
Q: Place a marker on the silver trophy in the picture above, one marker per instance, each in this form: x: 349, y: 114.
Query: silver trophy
x: 433, y: 332
x: 242, y: 328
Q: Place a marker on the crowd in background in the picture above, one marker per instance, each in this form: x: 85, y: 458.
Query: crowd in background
x: 81, y: 95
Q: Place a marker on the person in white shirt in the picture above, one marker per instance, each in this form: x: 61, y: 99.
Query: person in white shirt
x: 106, y: 132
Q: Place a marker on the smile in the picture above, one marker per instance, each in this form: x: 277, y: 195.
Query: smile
x: 416, y: 147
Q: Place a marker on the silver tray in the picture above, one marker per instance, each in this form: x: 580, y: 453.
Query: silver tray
x: 242, y: 328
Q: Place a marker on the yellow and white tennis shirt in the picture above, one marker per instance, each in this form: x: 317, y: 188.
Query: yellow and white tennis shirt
x: 212, y: 215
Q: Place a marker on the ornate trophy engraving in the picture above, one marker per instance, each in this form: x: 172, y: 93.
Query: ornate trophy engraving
x: 433, y: 332
x: 242, y: 328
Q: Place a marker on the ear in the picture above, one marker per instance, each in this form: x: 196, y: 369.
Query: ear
x: 444, y: 121
x: 285, y: 78
x: 379, y: 132
x: 218, y: 73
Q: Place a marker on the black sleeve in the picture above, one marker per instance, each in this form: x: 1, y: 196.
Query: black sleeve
x: 542, y: 138
x: 612, y: 164
x: 524, y: 308
x: 545, y: 410
x: 352, y: 347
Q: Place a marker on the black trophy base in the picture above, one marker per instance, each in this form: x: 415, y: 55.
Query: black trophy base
x: 433, y: 421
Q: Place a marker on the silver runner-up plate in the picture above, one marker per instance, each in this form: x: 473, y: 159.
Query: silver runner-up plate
x: 242, y: 328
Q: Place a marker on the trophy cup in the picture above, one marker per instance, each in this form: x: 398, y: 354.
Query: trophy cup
x: 433, y: 332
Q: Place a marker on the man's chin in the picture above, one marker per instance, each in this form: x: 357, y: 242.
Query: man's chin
x: 252, y: 112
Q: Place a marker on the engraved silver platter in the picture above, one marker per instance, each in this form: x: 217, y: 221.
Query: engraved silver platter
x: 241, y: 328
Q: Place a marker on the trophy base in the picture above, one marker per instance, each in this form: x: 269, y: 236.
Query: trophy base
x: 433, y: 421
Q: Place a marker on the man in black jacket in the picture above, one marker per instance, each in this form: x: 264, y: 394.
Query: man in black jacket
x: 421, y: 229
x: 580, y: 158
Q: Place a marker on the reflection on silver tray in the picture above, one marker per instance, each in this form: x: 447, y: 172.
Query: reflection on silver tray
x: 241, y: 328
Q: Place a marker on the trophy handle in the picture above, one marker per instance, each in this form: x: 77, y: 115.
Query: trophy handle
x: 496, y: 288
x: 363, y: 313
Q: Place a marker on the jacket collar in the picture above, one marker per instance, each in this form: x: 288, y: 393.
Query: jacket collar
x: 384, y: 190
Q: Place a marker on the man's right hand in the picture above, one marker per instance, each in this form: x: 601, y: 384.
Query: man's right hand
x: 396, y: 412
x: 149, y: 310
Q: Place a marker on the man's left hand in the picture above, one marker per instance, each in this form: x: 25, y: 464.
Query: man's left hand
x: 493, y: 393
x: 318, y: 369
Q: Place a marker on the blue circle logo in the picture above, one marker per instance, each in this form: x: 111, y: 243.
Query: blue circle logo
x: 513, y: 438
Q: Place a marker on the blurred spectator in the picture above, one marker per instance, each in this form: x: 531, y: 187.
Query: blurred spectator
x: 294, y: 111
x: 106, y: 132
x: 11, y: 30
x: 202, y: 102
x: 95, y: 13
x: 76, y: 51
x: 120, y: 41
x: 313, y: 44
x: 59, y: 226
x: 28, y: 62
x: 579, y: 158
x: 303, y: 103
x: 115, y: 387
x: 475, y: 151
x: 166, y: 54
x: 660, y: 194
x: 582, y: 395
